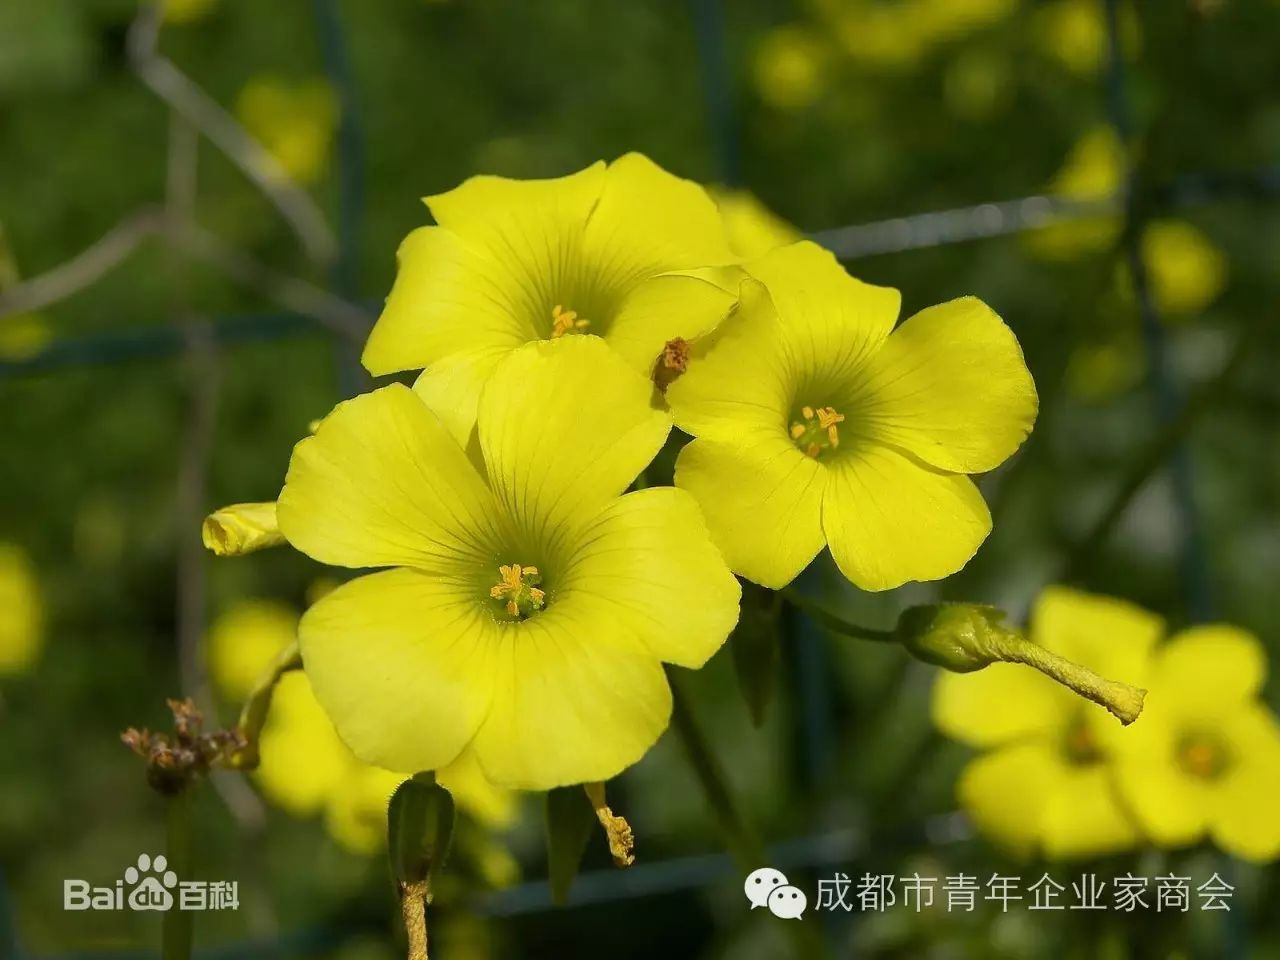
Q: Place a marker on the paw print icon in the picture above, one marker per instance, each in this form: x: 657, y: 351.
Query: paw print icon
x: 152, y: 884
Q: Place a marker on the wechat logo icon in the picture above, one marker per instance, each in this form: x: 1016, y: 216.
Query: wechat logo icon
x: 769, y: 888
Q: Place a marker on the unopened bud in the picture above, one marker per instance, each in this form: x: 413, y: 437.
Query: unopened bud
x: 241, y: 528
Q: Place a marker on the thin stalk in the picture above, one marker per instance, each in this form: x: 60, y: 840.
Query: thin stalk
x: 176, y: 927
x: 834, y: 622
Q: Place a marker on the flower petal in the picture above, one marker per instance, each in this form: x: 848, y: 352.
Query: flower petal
x: 1084, y: 818
x: 762, y: 502
x: 452, y: 388
x: 403, y: 664
x: 890, y: 519
x: 999, y: 703
x: 685, y: 304
x: 1007, y: 791
x: 647, y: 567
x: 569, y: 706
x: 492, y: 806
x: 565, y: 426
x: 303, y: 761
x: 1208, y: 671
x: 449, y: 297
x: 381, y: 483
x: 950, y: 386
x: 738, y: 383
x: 1171, y: 806
x: 649, y: 221
x: 831, y: 321
x: 1243, y: 820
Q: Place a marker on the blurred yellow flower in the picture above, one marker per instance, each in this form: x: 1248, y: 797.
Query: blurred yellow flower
x: 1101, y: 371
x: 1093, y: 170
x: 21, y: 612
x: 528, y: 605
x: 816, y: 423
x: 1074, y: 32
x: 186, y: 11
x: 306, y: 769
x: 1043, y: 786
x: 1186, y: 271
x: 24, y: 336
x: 614, y: 250
x: 1204, y: 757
x: 898, y: 35
x: 753, y: 229
x: 789, y: 67
x: 295, y: 122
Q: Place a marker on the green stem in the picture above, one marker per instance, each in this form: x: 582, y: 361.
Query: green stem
x: 744, y: 844
x: 176, y: 927
x: 256, y: 708
x: 833, y: 622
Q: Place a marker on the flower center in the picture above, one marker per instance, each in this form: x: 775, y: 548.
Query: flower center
x: 518, y: 587
x: 1080, y: 745
x: 672, y: 362
x: 566, y: 321
x: 1202, y: 756
x: 817, y: 431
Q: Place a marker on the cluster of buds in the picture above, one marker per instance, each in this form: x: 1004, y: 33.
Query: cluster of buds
x: 174, y: 760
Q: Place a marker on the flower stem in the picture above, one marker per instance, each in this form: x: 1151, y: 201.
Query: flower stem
x: 744, y: 844
x: 254, y: 714
x: 832, y: 622
x: 414, y: 897
x: 176, y: 927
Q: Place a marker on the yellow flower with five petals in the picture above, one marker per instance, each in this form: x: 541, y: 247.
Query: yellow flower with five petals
x: 815, y: 425
x: 530, y: 604
x: 1204, y: 758
x: 616, y: 250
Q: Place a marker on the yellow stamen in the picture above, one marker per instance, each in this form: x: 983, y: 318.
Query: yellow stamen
x: 622, y: 842
x: 518, y: 585
x: 1202, y: 757
x: 565, y: 321
x: 817, y: 430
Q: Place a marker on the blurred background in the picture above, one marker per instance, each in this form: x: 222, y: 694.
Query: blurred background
x: 199, y: 211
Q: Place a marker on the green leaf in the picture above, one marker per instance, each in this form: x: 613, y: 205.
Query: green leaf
x: 419, y: 828
x: 570, y: 821
x: 754, y: 646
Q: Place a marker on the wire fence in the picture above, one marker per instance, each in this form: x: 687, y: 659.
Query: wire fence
x: 301, y: 308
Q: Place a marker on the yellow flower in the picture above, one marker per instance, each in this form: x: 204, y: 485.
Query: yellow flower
x: 1187, y: 272
x: 788, y: 68
x: 1204, y: 758
x: 419, y: 663
x: 815, y: 426
x: 1093, y: 170
x: 753, y: 229
x: 1074, y: 33
x: 21, y: 612
x: 517, y: 261
x: 1044, y: 785
x: 306, y: 769
x: 241, y: 528
x: 295, y: 122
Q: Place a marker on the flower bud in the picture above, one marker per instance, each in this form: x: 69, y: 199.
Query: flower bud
x: 419, y: 829
x: 241, y: 528
x: 963, y: 637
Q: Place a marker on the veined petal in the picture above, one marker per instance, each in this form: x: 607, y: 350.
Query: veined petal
x: 998, y: 704
x: 447, y: 298
x: 493, y: 806
x: 568, y: 704
x: 403, y: 663
x: 452, y: 388
x: 1243, y: 819
x: 649, y: 221
x: 534, y: 227
x: 1007, y: 791
x: 738, y: 384
x: 1208, y: 671
x: 950, y: 386
x: 381, y: 483
x: 684, y: 304
x: 762, y: 501
x: 1084, y: 818
x: 647, y: 568
x: 564, y: 426
x: 830, y: 321
x: 889, y: 519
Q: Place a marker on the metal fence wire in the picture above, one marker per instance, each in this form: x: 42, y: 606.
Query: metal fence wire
x: 297, y: 307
